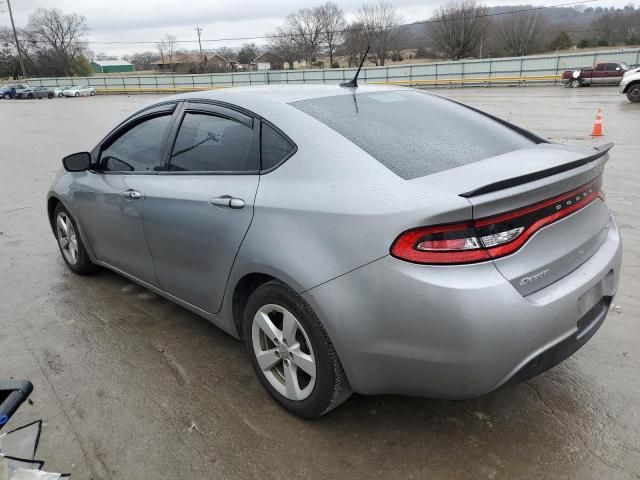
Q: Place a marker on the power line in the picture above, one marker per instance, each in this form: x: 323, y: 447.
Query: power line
x: 349, y: 30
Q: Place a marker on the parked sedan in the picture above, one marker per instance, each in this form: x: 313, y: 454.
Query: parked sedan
x: 379, y: 240
x: 79, y: 91
x: 35, y: 92
x: 59, y: 91
x: 8, y: 92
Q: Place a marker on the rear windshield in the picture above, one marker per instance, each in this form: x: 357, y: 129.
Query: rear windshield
x: 413, y: 133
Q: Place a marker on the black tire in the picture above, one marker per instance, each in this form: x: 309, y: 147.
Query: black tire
x: 30, y: 96
x: 331, y: 385
x: 50, y: 95
x: 83, y: 264
x: 633, y: 93
x: 77, y: 94
x: 575, y: 83
x: 92, y: 93
x: 60, y: 95
x: 7, y: 96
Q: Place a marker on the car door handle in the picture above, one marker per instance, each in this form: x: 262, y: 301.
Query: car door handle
x: 133, y: 194
x: 226, y: 201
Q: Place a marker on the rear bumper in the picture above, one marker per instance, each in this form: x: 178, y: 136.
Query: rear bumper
x: 459, y: 332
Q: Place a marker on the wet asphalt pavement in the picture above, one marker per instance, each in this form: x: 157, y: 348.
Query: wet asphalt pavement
x: 131, y: 386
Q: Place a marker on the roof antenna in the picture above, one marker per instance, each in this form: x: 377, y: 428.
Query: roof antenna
x: 353, y: 83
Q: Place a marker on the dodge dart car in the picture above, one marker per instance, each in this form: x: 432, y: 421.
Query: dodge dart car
x: 380, y: 240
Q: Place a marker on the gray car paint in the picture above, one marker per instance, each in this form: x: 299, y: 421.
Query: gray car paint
x: 323, y: 223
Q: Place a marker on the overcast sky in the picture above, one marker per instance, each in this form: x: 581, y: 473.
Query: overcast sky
x: 149, y: 20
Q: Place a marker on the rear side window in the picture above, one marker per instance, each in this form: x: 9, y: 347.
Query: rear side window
x: 138, y: 149
x: 413, y: 133
x: 612, y: 66
x: 209, y: 143
x: 275, y: 148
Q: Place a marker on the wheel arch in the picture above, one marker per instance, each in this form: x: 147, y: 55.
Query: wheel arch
x: 634, y: 83
x: 241, y: 293
x: 52, y: 203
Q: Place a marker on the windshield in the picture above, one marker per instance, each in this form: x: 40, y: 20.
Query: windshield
x: 414, y: 133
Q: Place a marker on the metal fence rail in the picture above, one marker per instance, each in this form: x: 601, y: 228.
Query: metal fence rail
x: 512, y: 70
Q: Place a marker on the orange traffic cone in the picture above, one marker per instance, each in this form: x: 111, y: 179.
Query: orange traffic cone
x: 597, y: 125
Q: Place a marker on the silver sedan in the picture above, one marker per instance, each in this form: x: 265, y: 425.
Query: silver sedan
x: 372, y: 239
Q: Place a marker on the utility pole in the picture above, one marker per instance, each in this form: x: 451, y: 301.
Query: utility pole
x: 199, y: 31
x: 15, y: 36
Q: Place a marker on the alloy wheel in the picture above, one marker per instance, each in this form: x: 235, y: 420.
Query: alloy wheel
x: 284, y: 353
x: 634, y: 94
x: 67, y: 238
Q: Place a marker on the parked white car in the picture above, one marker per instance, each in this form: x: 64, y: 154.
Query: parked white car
x: 79, y: 91
x: 630, y: 85
x: 59, y: 91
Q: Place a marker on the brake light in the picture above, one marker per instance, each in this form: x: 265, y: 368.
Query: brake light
x: 491, y: 237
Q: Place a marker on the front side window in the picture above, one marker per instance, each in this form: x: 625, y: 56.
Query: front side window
x: 209, y: 143
x: 139, y: 149
x: 612, y: 67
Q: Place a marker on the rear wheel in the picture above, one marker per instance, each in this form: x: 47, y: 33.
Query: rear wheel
x: 575, y: 83
x: 633, y: 94
x: 50, y: 95
x: 72, y: 249
x: 77, y: 94
x: 7, y: 96
x: 30, y: 95
x: 92, y: 93
x: 291, y: 352
x: 60, y: 95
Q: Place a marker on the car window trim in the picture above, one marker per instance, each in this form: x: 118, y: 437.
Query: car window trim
x: 123, y: 128
x: 214, y: 110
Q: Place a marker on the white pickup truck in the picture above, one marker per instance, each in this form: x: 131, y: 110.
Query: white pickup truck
x: 630, y: 85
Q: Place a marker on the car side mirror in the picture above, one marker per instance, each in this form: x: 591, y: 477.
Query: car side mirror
x: 618, y: 68
x: 77, y: 162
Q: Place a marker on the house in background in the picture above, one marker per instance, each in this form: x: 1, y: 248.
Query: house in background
x: 112, y: 66
x: 192, y: 63
x: 268, y: 61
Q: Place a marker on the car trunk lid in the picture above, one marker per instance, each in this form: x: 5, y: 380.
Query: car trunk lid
x: 554, y: 189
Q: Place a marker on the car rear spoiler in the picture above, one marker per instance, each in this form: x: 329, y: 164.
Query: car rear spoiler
x: 602, y: 150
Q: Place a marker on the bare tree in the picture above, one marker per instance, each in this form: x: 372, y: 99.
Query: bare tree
x: 380, y: 24
x: 333, y: 24
x: 283, y: 43
x: 355, y: 43
x: 459, y: 26
x: 307, y: 29
x: 167, y: 48
x: 518, y: 32
x: 58, y: 36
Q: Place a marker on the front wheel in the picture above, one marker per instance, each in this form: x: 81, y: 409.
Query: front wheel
x: 72, y: 249
x: 77, y: 94
x: 30, y: 96
x: 291, y: 352
x: 92, y: 93
x: 7, y: 96
x: 633, y: 94
x: 50, y: 96
x: 60, y: 95
x: 575, y: 83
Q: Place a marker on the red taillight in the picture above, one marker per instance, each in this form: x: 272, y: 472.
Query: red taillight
x: 491, y: 237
